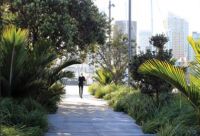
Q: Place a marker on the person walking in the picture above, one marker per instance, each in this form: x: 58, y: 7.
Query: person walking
x: 81, y: 80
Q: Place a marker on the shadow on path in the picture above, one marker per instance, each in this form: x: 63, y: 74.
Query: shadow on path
x: 89, y: 117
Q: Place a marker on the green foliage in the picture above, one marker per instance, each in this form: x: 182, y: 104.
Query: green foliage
x: 39, y: 77
x: 112, y: 56
x: 173, y: 116
x: 177, y: 77
x: 93, y: 88
x: 142, y: 107
x: 20, y: 131
x: 158, y: 41
x: 54, y: 95
x: 178, y: 112
x: 103, y: 76
x: 67, y: 23
x: 11, y: 131
x: 168, y: 130
x: 148, y: 83
x: 12, y: 48
x: 101, y: 91
x: 19, y: 119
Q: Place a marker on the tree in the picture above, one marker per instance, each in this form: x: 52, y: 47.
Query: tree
x: 66, y: 23
x: 112, y: 57
x: 177, y: 77
x: 147, y: 83
x: 158, y: 41
x: 13, y: 55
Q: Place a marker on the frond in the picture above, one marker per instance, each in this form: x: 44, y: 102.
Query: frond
x: 166, y: 71
x: 196, y: 47
x: 194, y: 91
x: 67, y: 63
x: 59, y: 76
x: 103, y: 76
x: 13, y: 36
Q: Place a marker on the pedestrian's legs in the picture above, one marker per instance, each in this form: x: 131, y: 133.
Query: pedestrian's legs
x: 81, y: 91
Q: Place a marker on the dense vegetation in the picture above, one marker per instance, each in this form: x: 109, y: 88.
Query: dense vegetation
x: 23, y: 117
x: 111, y: 59
x: 174, y: 116
x: 151, y: 102
x: 38, y: 39
x: 148, y: 83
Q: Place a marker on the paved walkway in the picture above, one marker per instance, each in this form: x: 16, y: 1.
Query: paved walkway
x: 89, y: 117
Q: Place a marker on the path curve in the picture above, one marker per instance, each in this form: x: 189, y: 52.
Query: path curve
x: 89, y: 117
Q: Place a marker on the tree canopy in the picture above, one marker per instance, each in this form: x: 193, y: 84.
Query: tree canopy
x: 148, y: 83
x: 66, y: 23
x: 112, y: 57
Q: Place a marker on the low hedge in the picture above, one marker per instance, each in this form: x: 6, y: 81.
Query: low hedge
x: 174, y: 116
x: 22, y: 117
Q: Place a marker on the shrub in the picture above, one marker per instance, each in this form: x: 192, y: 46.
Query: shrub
x: 100, y: 91
x: 22, y: 117
x: 50, y: 98
x: 151, y: 126
x: 93, y: 88
x: 31, y: 105
x: 168, y: 130
x: 141, y: 107
x: 173, y: 116
x: 20, y: 131
x: 179, y: 114
x: 103, y: 76
x: 11, y: 131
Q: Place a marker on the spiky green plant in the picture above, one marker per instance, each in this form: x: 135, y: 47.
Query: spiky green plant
x: 103, y: 76
x: 13, y: 54
x: 177, y: 77
x: 30, y: 70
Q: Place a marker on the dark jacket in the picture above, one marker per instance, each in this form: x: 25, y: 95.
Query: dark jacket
x: 81, y: 80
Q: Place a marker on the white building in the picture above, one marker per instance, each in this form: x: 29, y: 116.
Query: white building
x: 122, y: 25
x: 144, y: 37
x: 78, y: 69
x: 178, y: 31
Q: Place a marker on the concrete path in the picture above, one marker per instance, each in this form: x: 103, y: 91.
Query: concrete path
x: 89, y: 117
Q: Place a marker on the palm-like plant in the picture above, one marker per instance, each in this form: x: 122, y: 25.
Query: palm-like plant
x: 28, y: 69
x: 13, y: 54
x: 31, y: 70
x: 176, y: 75
x: 103, y: 76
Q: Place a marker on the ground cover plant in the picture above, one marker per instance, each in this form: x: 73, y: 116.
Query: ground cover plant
x: 24, y: 117
x: 174, y: 116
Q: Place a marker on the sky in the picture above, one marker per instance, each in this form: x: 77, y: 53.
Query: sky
x: 186, y: 9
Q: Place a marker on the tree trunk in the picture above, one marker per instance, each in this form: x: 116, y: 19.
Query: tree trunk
x: 11, y: 70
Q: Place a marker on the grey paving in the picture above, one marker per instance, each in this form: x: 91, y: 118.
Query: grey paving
x: 89, y: 117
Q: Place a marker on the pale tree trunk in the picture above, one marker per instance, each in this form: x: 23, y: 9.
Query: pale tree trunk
x: 11, y: 70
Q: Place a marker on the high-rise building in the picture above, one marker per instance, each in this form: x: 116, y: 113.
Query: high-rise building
x: 144, y: 37
x: 122, y: 25
x: 178, y: 31
x: 196, y: 36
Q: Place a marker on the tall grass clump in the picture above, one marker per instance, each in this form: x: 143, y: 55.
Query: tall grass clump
x: 22, y: 117
x: 174, y: 116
